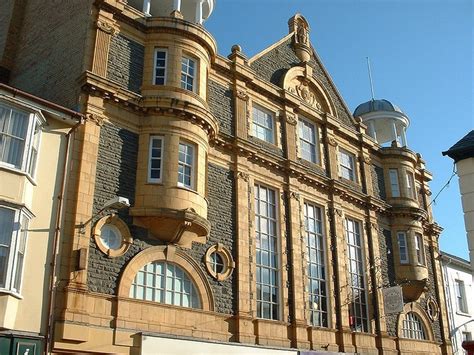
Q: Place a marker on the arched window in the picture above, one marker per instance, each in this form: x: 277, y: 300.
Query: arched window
x: 412, y: 327
x: 164, y: 282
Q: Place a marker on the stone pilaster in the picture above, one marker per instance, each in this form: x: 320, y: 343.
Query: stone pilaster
x: 105, y: 30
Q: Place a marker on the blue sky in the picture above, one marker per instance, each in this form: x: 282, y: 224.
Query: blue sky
x: 421, y: 54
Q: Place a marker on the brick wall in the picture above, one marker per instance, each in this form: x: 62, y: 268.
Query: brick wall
x: 125, y: 63
x: 221, y: 104
x: 50, y: 54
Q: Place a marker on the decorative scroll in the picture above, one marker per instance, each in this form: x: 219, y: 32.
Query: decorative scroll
x: 97, y: 119
x: 106, y: 27
x: 241, y: 94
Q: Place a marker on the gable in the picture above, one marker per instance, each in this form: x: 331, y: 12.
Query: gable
x: 273, y: 64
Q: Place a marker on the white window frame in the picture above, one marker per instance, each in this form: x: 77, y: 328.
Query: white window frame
x: 187, y: 75
x: 402, y: 245
x: 151, y: 158
x: 156, y: 67
x: 11, y: 280
x: 317, y: 274
x: 267, y: 218
x: 185, y: 164
x: 351, y: 169
x: 460, y: 292
x: 259, y: 130
x: 394, y: 183
x: 157, y: 282
x: 301, y: 122
x: 31, y: 140
x: 357, y: 271
x: 420, y: 249
x: 413, y: 327
x: 411, y: 185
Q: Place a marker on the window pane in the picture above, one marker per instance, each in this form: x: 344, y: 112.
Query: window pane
x: 178, y: 289
x: 7, y: 218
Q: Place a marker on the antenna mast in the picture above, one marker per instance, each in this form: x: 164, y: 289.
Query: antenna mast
x: 370, y: 79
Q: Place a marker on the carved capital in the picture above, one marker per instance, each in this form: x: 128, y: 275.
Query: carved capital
x: 97, y: 119
x: 331, y: 141
x: 243, y: 176
x: 291, y: 119
x: 295, y: 195
x: 241, y: 94
x: 106, y: 27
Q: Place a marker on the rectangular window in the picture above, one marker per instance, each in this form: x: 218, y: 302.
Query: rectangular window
x: 308, y: 141
x: 267, y: 253
x: 460, y: 296
x: 155, y: 164
x: 347, y: 165
x: 402, y: 247
x: 186, y: 165
x: 13, y: 236
x: 188, y: 73
x: 394, y: 182
x: 160, y: 66
x: 466, y: 336
x: 420, y: 249
x: 411, y: 185
x: 358, y: 312
x: 316, y: 265
x: 263, y: 125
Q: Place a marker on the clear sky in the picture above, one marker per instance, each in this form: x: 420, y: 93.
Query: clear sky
x: 421, y: 54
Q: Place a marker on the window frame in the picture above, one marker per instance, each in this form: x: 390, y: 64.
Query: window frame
x: 31, y: 140
x: 413, y: 327
x: 406, y: 259
x: 184, y: 84
x: 272, y: 130
x: 12, y: 280
x: 323, y: 291
x: 150, y: 158
x: 192, y: 166
x: 155, y: 65
x: 363, y: 304
x: 411, y: 190
x: 304, y: 121
x: 420, y: 249
x: 394, y: 181
x: 274, y: 306
x: 195, y: 301
x: 353, y: 168
x: 460, y: 293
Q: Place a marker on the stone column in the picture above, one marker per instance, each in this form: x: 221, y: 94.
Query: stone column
x: 244, y: 326
x: 104, y: 33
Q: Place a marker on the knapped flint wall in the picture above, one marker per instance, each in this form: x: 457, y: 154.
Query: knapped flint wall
x: 125, y: 63
x: 221, y: 104
x: 378, y: 182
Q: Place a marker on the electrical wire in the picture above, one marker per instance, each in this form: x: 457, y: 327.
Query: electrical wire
x: 433, y: 201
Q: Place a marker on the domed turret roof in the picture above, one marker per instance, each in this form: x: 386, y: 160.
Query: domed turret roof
x: 376, y: 105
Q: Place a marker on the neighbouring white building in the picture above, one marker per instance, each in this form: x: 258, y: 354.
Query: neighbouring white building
x: 459, y: 299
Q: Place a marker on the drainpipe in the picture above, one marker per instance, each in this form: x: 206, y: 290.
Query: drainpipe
x: 57, y: 235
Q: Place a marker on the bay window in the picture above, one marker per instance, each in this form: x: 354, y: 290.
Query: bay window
x: 13, y: 235
x: 188, y: 74
x: 19, y: 139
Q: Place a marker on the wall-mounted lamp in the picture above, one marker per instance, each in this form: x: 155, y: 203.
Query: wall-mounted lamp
x: 116, y: 203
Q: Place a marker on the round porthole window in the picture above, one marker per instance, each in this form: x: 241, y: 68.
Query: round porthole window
x: 219, y: 262
x: 112, y: 236
x: 432, y: 308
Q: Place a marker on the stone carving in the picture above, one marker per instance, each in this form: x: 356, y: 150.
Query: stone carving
x: 291, y: 119
x: 97, y: 119
x: 331, y: 141
x: 243, y: 176
x: 295, y: 195
x: 303, y: 90
x: 241, y: 94
x: 302, y: 35
x: 106, y: 27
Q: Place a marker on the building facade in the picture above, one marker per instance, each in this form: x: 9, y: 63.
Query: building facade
x: 34, y: 140
x: 459, y: 295
x: 265, y: 217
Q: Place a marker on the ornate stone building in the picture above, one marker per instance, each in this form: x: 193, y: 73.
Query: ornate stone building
x: 264, y: 216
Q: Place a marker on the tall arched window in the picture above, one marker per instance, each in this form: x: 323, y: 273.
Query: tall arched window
x: 165, y: 282
x: 412, y: 327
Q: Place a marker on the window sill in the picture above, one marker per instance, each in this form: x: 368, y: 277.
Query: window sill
x: 464, y: 314
x: 16, y: 171
x: 187, y: 189
x: 10, y: 293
